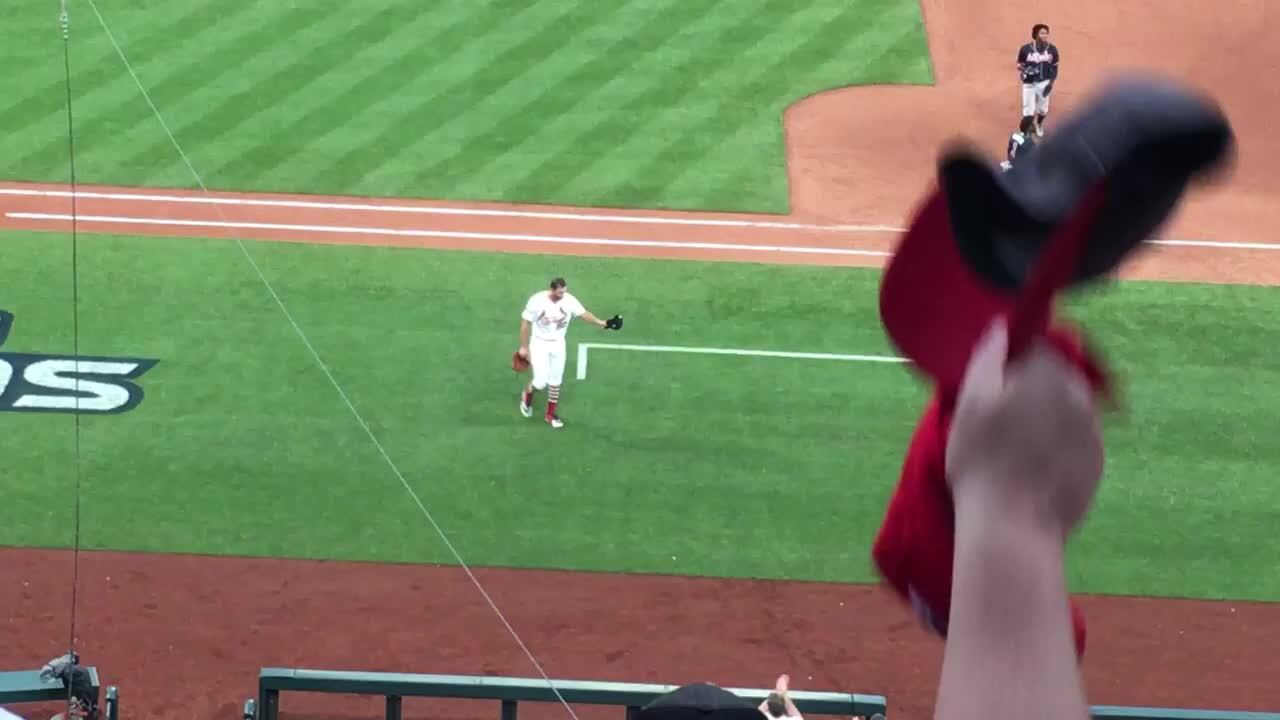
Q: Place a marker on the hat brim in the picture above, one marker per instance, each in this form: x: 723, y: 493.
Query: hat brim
x: 933, y: 304
x: 986, y: 243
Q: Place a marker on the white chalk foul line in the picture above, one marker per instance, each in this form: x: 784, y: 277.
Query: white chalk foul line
x: 584, y: 348
x: 1216, y: 244
x: 575, y: 216
x: 407, y: 232
x: 435, y: 210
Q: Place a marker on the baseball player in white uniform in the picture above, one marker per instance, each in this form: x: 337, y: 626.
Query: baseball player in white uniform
x: 543, y: 326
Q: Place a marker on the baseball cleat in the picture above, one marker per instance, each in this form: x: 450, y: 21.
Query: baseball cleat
x: 525, y: 410
x: 1039, y: 131
x: 555, y: 422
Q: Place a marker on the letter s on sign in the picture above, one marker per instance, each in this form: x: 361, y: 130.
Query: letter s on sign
x: 105, y: 396
x: 6, y: 374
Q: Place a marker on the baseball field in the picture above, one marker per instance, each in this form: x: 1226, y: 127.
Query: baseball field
x: 304, y: 233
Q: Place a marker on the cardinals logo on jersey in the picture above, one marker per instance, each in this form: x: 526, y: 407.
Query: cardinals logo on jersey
x: 559, y: 320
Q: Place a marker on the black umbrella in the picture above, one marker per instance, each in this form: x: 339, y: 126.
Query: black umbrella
x: 699, y: 701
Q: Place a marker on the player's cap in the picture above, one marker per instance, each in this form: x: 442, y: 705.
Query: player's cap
x: 699, y: 701
x: 1075, y: 205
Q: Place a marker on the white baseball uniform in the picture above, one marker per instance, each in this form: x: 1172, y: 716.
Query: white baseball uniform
x: 549, y: 321
x: 1034, y: 101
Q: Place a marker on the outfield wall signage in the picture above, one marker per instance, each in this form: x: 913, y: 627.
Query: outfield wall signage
x: 37, y: 382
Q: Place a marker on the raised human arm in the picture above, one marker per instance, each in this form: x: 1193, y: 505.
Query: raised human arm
x: 1009, y: 650
x: 1024, y: 457
x: 783, y: 687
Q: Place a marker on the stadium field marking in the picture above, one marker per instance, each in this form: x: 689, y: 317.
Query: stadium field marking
x: 585, y: 348
x: 407, y: 232
x: 1217, y: 244
x: 437, y: 210
x: 537, y: 214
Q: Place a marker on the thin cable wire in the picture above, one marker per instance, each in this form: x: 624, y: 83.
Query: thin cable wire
x: 332, y: 380
x: 64, y: 22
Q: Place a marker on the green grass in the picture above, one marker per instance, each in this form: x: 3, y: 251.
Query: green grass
x: 649, y: 103
x: 670, y: 463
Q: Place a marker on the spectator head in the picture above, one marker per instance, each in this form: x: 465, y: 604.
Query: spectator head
x: 776, y: 705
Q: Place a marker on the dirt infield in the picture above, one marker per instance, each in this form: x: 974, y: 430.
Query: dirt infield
x: 185, y: 636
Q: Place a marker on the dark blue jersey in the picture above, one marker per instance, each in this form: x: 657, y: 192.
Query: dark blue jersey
x: 1038, y: 63
x: 1018, y: 143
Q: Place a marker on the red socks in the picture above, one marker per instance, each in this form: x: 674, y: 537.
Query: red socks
x: 553, y: 399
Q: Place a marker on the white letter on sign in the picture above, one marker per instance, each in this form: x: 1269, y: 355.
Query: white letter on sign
x: 50, y: 374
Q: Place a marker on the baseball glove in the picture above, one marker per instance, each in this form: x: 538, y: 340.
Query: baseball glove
x: 613, y: 323
x: 518, y: 363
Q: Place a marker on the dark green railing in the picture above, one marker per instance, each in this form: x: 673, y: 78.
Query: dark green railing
x: 26, y: 686
x: 510, y: 692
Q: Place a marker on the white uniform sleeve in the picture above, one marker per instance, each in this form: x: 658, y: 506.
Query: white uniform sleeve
x: 530, y: 310
x: 575, y: 308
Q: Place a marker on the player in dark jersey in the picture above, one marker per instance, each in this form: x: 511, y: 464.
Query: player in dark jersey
x: 1038, y: 69
x: 1019, y: 144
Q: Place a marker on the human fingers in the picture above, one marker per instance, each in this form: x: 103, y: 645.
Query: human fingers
x: 984, y: 375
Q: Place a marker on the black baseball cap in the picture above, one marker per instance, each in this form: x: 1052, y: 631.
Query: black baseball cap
x: 985, y: 243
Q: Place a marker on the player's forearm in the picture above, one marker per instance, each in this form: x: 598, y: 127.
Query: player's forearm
x: 593, y: 319
x: 1009, y: 649
x: 524, y: 333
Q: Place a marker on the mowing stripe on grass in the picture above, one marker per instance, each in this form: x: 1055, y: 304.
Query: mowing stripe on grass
x: 295, y: 134
x: 39, y: 98
x: 119, y: 132
x: 488, y: 99
x: 679, y: 65
x: 209, y: 113
x: 499, y: 52
x: 747, y: 76
x: 544, y: 87
x: 584, y: 348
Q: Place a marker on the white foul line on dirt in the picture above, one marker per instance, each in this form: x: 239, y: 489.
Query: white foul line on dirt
x: 584, y: 348
x: 406, y: 232
x: 438, y: 210
x: 535, y: 214
x: 1218, y: 244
